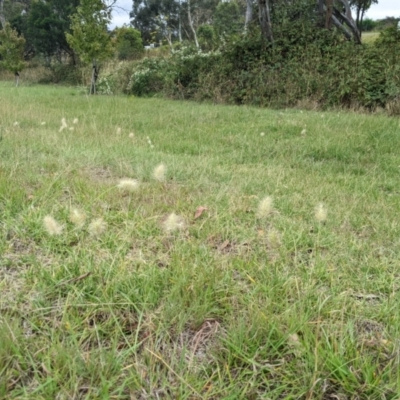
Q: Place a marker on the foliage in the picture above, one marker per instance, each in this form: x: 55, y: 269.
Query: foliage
x: 149, y: 77
x: 11, y: 49
x: 305, y: 65
x: 390, y: 36
x: 368, y: 25
x: 47, y: 24
x: 89, y: 37
x: 128, y: 43
x: 228, y: 19
x: 155, y: 18
x: 206, y: 37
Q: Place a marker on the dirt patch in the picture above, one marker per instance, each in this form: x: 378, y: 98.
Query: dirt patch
x: 99, y: 174
x: 228, y: 247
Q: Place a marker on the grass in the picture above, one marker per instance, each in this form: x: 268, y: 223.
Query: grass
x: 239, y: 302
x: 370, y: 37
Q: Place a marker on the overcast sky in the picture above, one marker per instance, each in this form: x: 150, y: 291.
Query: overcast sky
x: 385, y: 8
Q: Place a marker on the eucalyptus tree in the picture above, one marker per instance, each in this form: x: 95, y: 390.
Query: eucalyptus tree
x: 361, y: 7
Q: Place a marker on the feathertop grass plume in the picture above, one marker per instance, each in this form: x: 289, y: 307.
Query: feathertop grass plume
x: 43, y: 123
x: 321, y: 213
x: 128, y: 185
x: 16, y: 123
x: 174, y: 223
x: 75, y: 121
x: 131, y: 135
x: 262, y: 134
x: 52, y: 227
x: 77, y: 217
x: 64, y: 125
x: 274, y: 239
x: 265, y: 207
x: 159, y: 173
x: 97, y: 227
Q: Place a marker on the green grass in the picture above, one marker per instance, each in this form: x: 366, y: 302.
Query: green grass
x: 370, y: 37
x: 233, y: 306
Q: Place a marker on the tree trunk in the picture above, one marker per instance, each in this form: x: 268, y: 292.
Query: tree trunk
x: 341, y: 18
x: 264, y: 17
x: 180, y: 22
x: 95, y: 74
x: 2, y: 18
x: 191, y: 25
x: 329, y: 12
x: 249, y: 14
x: 16, y: 79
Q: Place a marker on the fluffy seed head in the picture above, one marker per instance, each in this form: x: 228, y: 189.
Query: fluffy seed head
x: 174, y: 222
x: 43, y: 123
x: 128, y: 185
x: 265, y: 207
x: 16, y: 123
x: 77, y: 217
x: 159, y: 172
x: 274, y: 239
x: 262, y: 134
x: 321, y: 213
x: 118, y: 130
x: 64, y: 125
x: 52, y: 226
x: 75, y: 121
x: 97, y: 227
x: 131, y: 135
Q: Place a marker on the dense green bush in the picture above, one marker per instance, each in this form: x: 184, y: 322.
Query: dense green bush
x: 305, y: 65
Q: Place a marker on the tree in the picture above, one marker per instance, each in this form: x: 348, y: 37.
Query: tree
x: 264, y: 17
x: 12, y: 51
x: 338, y: 13
x: 89, y: 37
x: 128, y: 43
x: 156, y: 19
x: 228, y: 19
x: 361, y: 6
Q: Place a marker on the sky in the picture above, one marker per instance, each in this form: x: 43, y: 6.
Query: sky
x: 384, y: 8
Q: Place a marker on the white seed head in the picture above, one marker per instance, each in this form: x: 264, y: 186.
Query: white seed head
x: 118, y: 130
x: 174, y: 222
x: 52, y: 227
x: 16, y: 123
x: 131, y: 135
x: 265, y: 207
x: 64, y: 125
x: 321, y: 213
x: 262, y: 134
x: 75, y: 121
x: 128, y: 185
x: 43, y: 123
x: 303, y: 132
x: 97, y: 227
x: 274, y: 239
x: 159, y: 172
x: 77, y: 217
x: 71, y: 128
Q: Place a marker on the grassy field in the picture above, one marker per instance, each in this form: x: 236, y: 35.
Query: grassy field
x: 153, y: 249
x: 370, y: 37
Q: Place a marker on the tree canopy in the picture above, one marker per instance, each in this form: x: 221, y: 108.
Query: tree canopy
x: 11, y: 50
